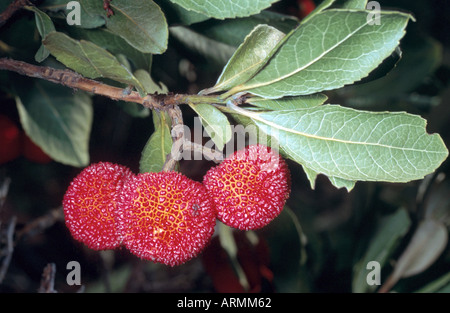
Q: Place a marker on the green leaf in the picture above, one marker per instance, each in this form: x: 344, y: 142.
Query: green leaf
x: 213, y: 50
x: 319, y: 8
x: 216, y: 123
x: 354, y: 145
x: 177, y: 15
x: 390, y: 230
x: 56, y: 119
x: 158, y: 146
x: 419, y: 60
x: 426, y: 245
x: 333, y: 49
x: 233, y: 31
x: 221, y: 9
x: 342, y: 183
x: 89, y: 59
x: 289, y: 103
x: 285, y: 235
x: 437, y: 285
x: 45, y: 26
x: 116, y: 45
x: 352, y: 4
x: 140, y: 22
x: 249, y: 58
x: 149, y: 84
x: 55, y: 7
x: 311, y: 175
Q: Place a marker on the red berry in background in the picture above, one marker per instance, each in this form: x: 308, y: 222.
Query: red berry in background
x: 253, y: 258
x: 250, y: 187
x: 166, y: 217
x: 305, y: 7
x: 10, y: 142
x: 90, y: 205
x: 33, y: 152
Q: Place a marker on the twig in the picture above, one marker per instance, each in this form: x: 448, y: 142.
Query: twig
x: 9, y: 249
x: 41, y: 223
x: 177, y: 139
x: 4, y: 188
x: 74, y: 80
x: 11, y: 9
x: 48, y: 279
x: 210, y: 154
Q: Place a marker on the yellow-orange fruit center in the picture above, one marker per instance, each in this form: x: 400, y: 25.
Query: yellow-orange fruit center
x: 249, y: 188
x: 165, y: 217
x: 90, y: 205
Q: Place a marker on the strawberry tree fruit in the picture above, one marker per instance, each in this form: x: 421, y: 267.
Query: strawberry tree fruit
x: 165, y: 217
x: 249, y: 188
x: 10, y: 143
x: 33, y: 152
x: 90, y: 205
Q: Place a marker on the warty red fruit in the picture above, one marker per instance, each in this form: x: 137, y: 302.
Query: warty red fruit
x: 165, y: 217
x: 90, y: 205
x: 250, y: 187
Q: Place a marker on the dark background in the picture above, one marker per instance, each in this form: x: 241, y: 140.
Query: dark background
x: 336, y: 223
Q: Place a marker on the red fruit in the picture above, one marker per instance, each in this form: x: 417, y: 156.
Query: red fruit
x: 305, y: 7
x: 166, y: 217
x: 10, y: 145
x: 33, y: 152
x: 249, y: 188
x: 90, y: 205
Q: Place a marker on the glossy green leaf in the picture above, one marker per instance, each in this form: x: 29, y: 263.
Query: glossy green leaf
x: 334, y: 48
x: 390, y: 230
x: 158, y: 146
x: 354, y: 145
x: 215, y: 123
x: 288, y: 103
x: 249, y: 58
x: 88, y: 59
x: 140, y: 22
x: 225, y: 8
x: 45, y: 26
x: 56, y: 119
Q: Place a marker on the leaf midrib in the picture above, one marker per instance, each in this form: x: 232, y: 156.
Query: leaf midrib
x: 257, y: 85
x: 256, y: 116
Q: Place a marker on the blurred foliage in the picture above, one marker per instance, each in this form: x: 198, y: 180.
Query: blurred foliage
x: 320, y: 243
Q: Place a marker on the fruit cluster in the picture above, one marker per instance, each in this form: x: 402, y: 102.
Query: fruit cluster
x: 168, y: 218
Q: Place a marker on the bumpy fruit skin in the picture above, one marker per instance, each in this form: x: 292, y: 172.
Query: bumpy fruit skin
x: 90, y: 205
x: 250, y: 187
x: 166, y: 217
